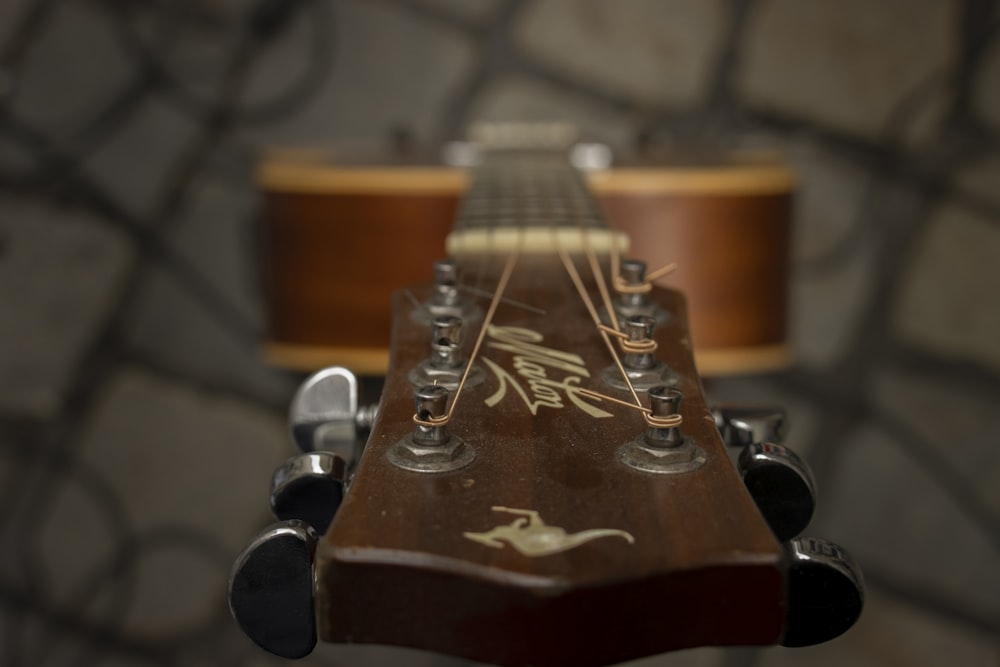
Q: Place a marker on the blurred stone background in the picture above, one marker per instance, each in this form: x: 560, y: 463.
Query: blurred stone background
x: 139, y: 426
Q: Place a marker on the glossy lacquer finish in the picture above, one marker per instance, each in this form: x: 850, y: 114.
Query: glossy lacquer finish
x: 429, y: 560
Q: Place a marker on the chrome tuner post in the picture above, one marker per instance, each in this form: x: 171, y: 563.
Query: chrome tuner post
x: 782, y: 486
x: 744, y: 425
x: 430, y: 447
x: 445, y: 365
x: 324, y: 414
x: 309, y: 487
x: 271, y: 592
x: 633, y: 294
x: 826, y: 592
x: 446, y: 299
x: 643, y: 369
x: 446, y: 284
x: 663, y: 449
x: 633, y: 302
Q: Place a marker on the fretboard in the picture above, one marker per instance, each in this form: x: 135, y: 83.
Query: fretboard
x: 530, y: 200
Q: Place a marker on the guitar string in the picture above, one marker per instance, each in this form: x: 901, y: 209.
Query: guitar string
x: 510, y: 302
x: 487, y: 320
x: 588, y: 303
x: 669, y: 421
x: 595, y: 268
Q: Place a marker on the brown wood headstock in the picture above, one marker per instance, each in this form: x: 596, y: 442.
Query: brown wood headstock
x: 552, y: 489
x: 629, y: 562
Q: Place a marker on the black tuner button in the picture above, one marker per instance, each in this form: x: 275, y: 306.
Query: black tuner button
x: 271, y: 590
x: 825, y: 592
x: 309, y: 487
x: 741, y: 426
x: 781, y: 485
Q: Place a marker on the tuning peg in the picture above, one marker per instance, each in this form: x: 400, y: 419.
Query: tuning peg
x: 271, y: 590
x: 324, y: 413
x: 638, y: 361
x: 744, y: 425
x: 309, y: 487
x: 781, y: 485
x: 825, y: 592
x: 431, y: 447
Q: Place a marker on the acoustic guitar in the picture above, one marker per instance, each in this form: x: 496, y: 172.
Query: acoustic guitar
x: 544, y: 482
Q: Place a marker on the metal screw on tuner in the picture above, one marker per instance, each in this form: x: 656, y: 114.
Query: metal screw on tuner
x: 825, y: 592
x: 324, y: 414
x: 271, y: 592
x: 744, y: 425
x: 430, y: 447
x: 640, y: 364
x: 309, y: 487
x: 663, y: 449
x: 445, y: 365
x: 782, y: 486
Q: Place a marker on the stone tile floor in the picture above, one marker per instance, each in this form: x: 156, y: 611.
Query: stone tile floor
x: 139, y: 426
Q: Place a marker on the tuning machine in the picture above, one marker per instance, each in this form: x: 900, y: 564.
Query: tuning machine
x: 663, y: 448
x: 271, y: 592
x: 324, y: 414
x: 744, y: 425
x: 447, y: 299
x: 431, y: 448
x: 826, y: 592
x: 638, y: 361
x: 445, y: 366
x: 825, y: 587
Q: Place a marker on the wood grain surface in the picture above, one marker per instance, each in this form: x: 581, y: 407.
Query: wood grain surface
x: 395, y: 567
x: 338, y: 241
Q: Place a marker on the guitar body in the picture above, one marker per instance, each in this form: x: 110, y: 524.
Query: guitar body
x: 327, y: 228
x: 397, y: 567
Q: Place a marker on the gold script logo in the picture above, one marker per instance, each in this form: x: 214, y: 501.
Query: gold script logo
x: 534, y: 364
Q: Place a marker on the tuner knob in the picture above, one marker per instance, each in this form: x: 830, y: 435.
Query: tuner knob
x: 324, y: 413
x: 744, y: 425
x: 309, y: 487
x: 825, y: 592
x: 271, y: 590
x: 781, y: 485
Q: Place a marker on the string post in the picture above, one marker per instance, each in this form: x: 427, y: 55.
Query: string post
x: 446, y: 332
x: 664, y: 417
x: 631, y: 284
x: 446, y: 365
x: 445, y: 283
x: 431, y: 402
x: 662, y: 448
x: 639, y: 345
x: 430, y: 448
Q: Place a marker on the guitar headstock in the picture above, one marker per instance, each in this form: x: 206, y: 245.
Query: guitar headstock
x: 551, y: 531
x: 553, y: 488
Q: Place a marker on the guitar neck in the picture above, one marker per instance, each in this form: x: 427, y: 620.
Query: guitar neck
x: 532, y: 201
